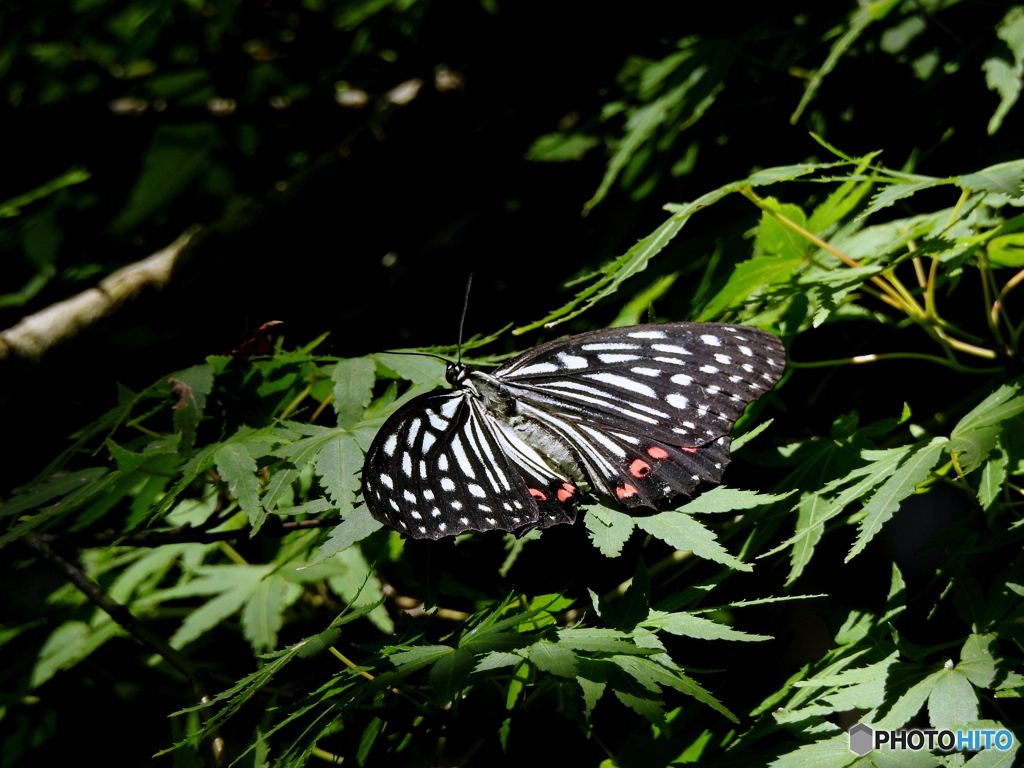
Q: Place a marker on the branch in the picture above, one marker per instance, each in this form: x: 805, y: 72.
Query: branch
x: 40, y: 544
x: 36, y: 334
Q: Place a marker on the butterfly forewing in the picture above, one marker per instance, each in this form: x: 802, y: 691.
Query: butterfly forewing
x: 638, y: 415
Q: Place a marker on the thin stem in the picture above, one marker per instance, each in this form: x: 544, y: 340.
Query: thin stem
x: 859, y: 359
x: 320, y: 408
x: 295, y: 402
x: 232, y: 553
x: 955, y: 213
x: 748, y: 193
x: 919, y: 271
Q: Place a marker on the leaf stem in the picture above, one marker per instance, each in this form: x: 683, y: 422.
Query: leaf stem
x: 858, y: 359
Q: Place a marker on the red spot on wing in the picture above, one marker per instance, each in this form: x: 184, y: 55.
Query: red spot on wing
x: 639, y: 468
x: 537, y: 494
x: 657, y: 453
x: 566, y: 491
x: 689, y: 450
x: 623, y: 491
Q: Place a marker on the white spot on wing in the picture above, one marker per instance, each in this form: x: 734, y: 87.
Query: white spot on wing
x: 409, y: 496
x: 670, y: 360
x: 428, y: 441
x: 386, y: 479
x: 462, y: 458
x: 682, y: 379
x: 390, y: 444
x: 624, y: 382
x: 477, y: 491
x: 442, y: 462
x: 672, y: 349
x: 449, y: 408
x: 416, y: 515
x: 407, y: 464
x: 606, y: 358
x: 745, y: 350
x: 537, y: 368
x: 677, y: 401
x: 437, y: 422
x: 711, y: 341
x: 647, y: 335
x: 646, y: 371
x: 414, y: 430
x: 709, y: 369
x: 724, y: 359
x: 608, y: 346
x: 447, y: 484
x: 572, y: 362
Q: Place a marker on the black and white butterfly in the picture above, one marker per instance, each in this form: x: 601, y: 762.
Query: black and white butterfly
x: 639, y: 416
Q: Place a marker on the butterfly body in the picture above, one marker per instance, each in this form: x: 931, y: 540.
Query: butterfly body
x: 639, y: 416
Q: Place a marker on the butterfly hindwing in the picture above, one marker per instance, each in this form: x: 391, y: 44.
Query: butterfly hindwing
x: 439, y: 467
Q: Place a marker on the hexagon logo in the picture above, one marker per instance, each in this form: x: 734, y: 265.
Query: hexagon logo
x: 861, y: 739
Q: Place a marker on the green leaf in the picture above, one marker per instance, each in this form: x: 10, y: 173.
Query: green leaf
x: 63, y: 485
x: 549, y: 657
x: 749, y: 277
x: 262, y: 615
x: 1004, y: 178
x: 722, y: 499
x: 777, y: 239
x: 589, y: 639
x: 353, y: 388
x: 977, y: 660
x: 13, y: 206
x: 907, y: 705
x: 191, y: 386
x: 448, y: 675
x: 368, y: 739
x: 71, y: 642
x: 681, y: 531
x: 609, y: 529
x: 812, y: 513
x: 357, y: 526
x: 336, y: 465
x: 824, y: 753
x: 1007, y: 250
x: 952, y: 702
x: 560, y: 147
x: 899, y: 191
x: 899, y: 486
x: 993, y: 475
x: 233, y: 585
x: 238, y: 468
x: 650, y: 674
x: 688, y: 625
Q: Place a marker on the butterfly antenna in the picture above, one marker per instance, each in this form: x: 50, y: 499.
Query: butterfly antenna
x: 462, y: 320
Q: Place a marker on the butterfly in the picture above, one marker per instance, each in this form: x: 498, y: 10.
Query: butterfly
x: 637, y: 416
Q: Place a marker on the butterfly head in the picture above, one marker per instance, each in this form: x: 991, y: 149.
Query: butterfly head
x: 457, y: 374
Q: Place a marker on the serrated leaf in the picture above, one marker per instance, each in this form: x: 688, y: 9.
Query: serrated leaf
x: 908, y: 704
x: 609, y: 529
x: 127, y: 461
x: 234, y: 585
x: 415, y: 368
x: 191, y: 386
x: 238, y: 469
x: 336, y: 465
x: 812, y: 513
x: 449, y: 673
x: 721, y: 499
x: 353, y: 388
x: 1004, y: 178
x: 688, y: 625
x: 993, y: 475
x: 825, y: 753
x: 650, y: 674
x: 497, y: 660
x: 896, y: 192
x: 355, y: 527
x: 589, y: 639
x: 900, y: 485
x: 952, y: 702
x: 681, y: 531
x: 592, y: 692
x: 549, y: 657
x: 748, y: 277
x: 67, y: 645
x: 38, y: 495
x: 977, y: 660
x: 262, y: 615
